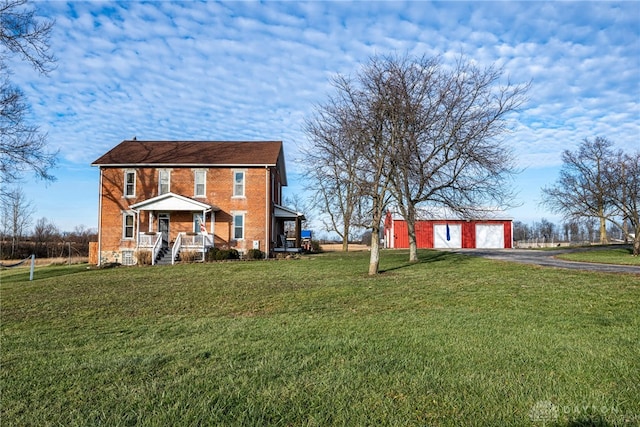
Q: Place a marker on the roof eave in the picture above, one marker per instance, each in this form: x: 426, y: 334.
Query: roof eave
x: 182, y: 165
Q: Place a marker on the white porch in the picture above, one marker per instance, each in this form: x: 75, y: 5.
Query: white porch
x: 160, y: 240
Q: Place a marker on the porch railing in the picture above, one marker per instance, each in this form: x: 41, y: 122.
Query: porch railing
x: 157, y: 246
x: 147, y: 240
x: 176, y: 248
x: 188, y: 241
x: 193, y: 242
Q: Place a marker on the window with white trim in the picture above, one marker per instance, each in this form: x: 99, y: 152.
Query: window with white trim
x: 238, y: 183
x: 127, y: 225
x: 199, y: 178
x: 129, y: 184
x: 164, y: 181
x: 238, y: 226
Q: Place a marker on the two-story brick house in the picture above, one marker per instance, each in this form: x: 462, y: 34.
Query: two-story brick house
x: 170, y: 196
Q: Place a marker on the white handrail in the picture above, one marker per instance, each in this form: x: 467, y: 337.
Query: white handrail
x: 176, y: 248
x: 157, y: 245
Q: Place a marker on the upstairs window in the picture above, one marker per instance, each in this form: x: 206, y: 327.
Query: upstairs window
x: 129, y: 184
x: 164, y: 179
x: 238, y: 183
x: 200, y: 178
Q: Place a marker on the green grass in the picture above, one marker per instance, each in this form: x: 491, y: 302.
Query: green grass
x: 451, y: 340
x: 606, y: 255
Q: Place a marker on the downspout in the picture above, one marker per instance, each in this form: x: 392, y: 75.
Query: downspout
x: 137, y: 230
x: 100, y: 220
x: 204, y: 236
x: 267, y: 216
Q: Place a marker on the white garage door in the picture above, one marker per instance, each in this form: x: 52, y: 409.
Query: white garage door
x: 490, y: 236
x: 443, y: 238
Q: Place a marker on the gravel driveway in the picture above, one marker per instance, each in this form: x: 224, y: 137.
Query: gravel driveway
x: 547, y: 259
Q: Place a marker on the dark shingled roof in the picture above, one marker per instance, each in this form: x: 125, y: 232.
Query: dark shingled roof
x: 191, y: 153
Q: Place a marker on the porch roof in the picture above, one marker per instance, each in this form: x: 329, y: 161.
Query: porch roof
x: 286, y: 213
x: 173, y: 202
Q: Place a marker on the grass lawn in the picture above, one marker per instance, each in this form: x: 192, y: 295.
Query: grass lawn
x: 606, y: 255
x: 451, y: 340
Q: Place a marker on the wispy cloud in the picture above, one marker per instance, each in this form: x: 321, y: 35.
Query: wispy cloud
x: 245, y: 70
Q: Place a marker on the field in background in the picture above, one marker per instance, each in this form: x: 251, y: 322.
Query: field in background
x: 50, y: 261
x: 450, y: 340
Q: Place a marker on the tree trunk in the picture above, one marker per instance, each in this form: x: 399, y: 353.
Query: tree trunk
x: 374, y: 259
x: 636, y: 242
x: 411, y: 230
x: 378, y: 210
x: 603, y: 231
x: 345, y: 238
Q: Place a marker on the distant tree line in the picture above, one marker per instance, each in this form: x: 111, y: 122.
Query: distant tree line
x: 20, y: 237
x: 573, y: 232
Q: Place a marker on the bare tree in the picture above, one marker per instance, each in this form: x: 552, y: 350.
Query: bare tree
x: 521, y: 231
x: 375, y: 136
x: 575, y: 234
x: 447, y: 122
x: 82, y: 235
x: 623, y: 180
x: 357, y: 139
x: 17, y: 214
x: 582, y: 190
x: 45, y: 233
x: 547, y: 230
x: 413, y: 129
x: 299, y: 204
x: 22, y: 145
x: 331, y: 164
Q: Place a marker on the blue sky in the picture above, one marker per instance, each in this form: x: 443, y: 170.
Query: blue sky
x: 254, y: 71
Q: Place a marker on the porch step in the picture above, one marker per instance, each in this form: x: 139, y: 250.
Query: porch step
x: 164, y: 257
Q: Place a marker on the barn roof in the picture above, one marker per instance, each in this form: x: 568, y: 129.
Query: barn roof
x: 439, y: 213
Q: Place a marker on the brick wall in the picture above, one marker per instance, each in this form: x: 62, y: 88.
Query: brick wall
x: 218, y: 192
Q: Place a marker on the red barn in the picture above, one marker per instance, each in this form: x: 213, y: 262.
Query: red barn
x: 443, y: 228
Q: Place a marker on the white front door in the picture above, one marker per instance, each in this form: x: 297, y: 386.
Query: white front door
x: 447, y: 236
